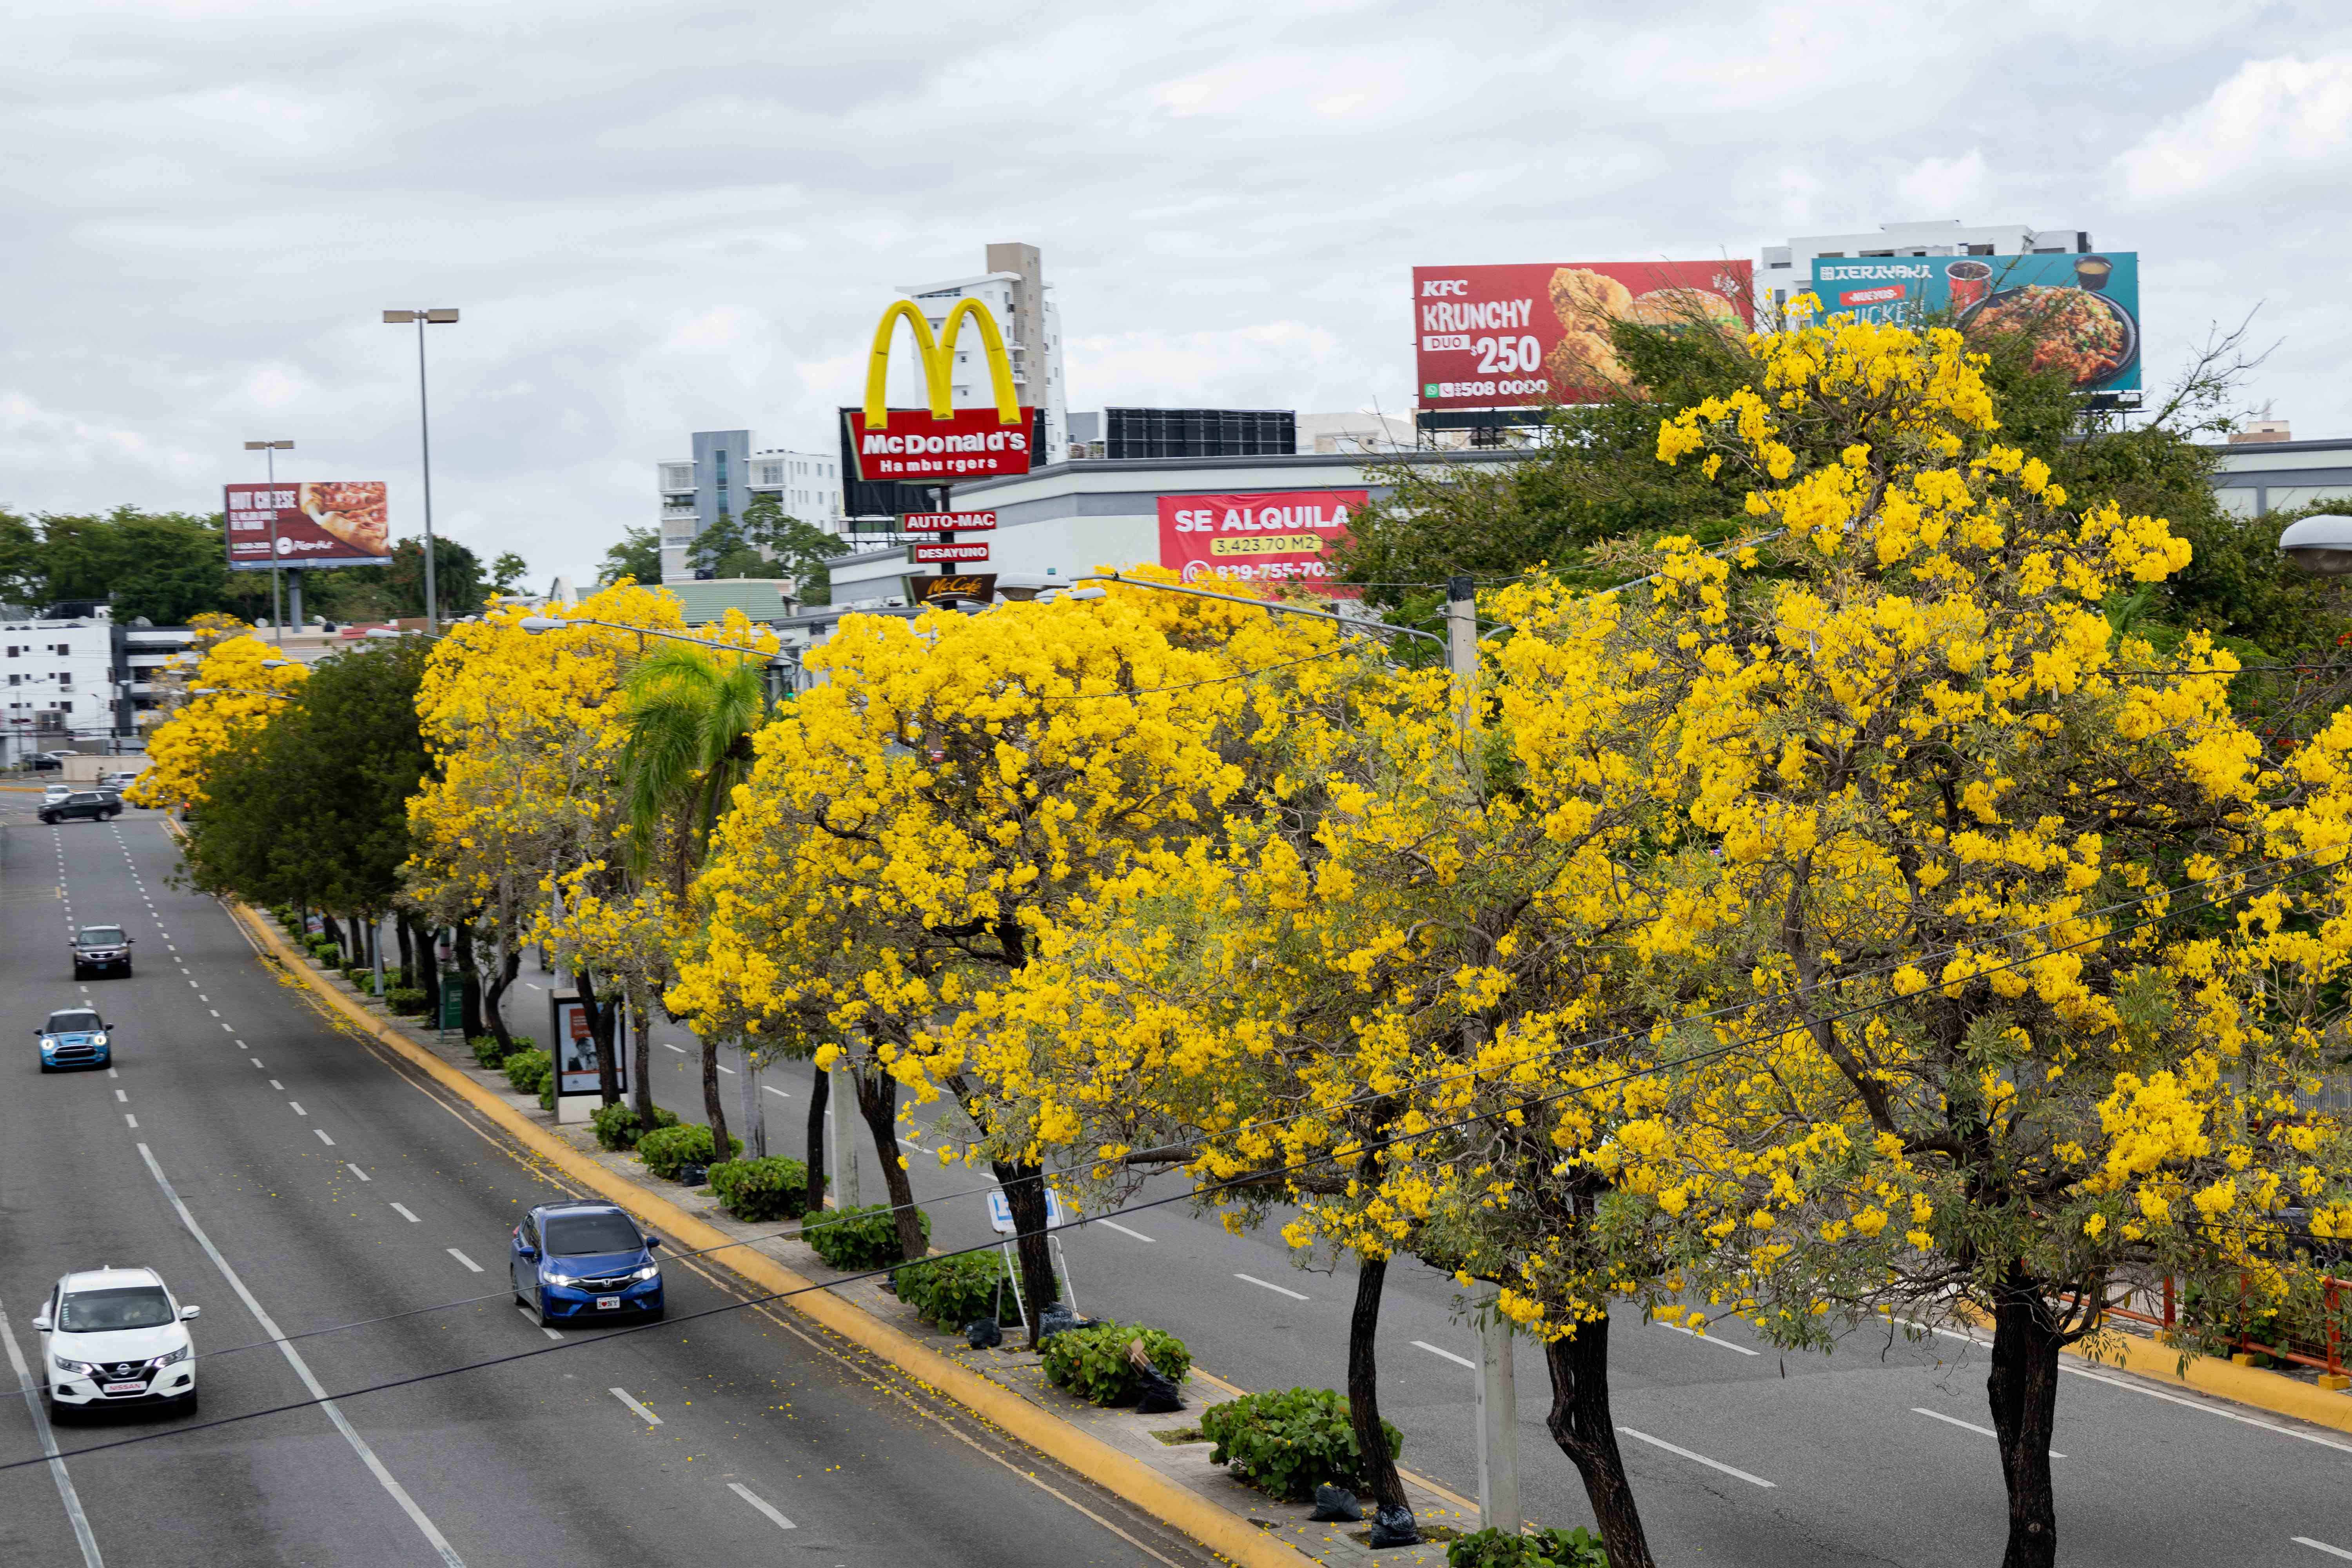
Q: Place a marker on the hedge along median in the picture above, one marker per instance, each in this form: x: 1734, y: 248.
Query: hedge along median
x: 1225, y: 1533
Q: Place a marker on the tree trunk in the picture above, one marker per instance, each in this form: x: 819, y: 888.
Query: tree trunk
x: 354, y: 943
x: 641, y: 1064
x: 2023, y: 1393
x: 747, y: 1091
x: 494, y: 1009
x: 469, y: 1000
x: 820, y: 1096
x: 600, y: 1029
x: 408, y: 956
x: 1580, y: 1423
x: 713, y: 1106
x: 1376, y: 1467
x: 428, y: 971
x: 878, y: 1102
x: 1024, y: 1194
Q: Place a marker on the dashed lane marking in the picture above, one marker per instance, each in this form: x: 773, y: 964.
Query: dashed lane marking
x: 740, y: 1490
x: 2323, y: 1546
x: 623, y: 1395
x: 1113, y: 1224
x: 1449, y: 1355
x: 1694, y: 1459
x: 295, y: 1103
x: 463, y: 1259
x: 1710, y: 1338
x: 355, y: 1170
x: 322, y: 1136
x: 1269, y: 1285
x: 402, y: 1210
x: 131, y: 1119
x: 1966, y: 1425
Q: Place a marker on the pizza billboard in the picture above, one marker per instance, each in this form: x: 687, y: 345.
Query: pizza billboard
x: 1523, y: 335
x: 1269, y: 536
x: 338, y: 522
x: 2080, y: 312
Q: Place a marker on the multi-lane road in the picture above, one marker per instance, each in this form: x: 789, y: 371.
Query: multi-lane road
x: 304, y: 1189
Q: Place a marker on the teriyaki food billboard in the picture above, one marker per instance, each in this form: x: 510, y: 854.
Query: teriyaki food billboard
x: 2081, y: 311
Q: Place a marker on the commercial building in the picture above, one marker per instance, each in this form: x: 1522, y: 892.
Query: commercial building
x: 2274, y: 472
x: 726, y: 474
x: 1787, y: 270
x: 57, y: 680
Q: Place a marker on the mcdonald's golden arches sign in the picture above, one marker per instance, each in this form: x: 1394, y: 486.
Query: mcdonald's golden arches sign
x: 942, y: 444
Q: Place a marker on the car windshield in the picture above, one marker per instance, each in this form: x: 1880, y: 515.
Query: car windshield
x: 575, y: 1235
x: 101, y: 936
x: 74, y: 1023
x: 128, y: 1307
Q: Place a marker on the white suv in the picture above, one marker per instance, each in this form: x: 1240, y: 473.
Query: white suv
x: 115, y: 1336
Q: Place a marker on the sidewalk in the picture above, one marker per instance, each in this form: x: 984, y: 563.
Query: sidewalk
x: 1169, y: 1445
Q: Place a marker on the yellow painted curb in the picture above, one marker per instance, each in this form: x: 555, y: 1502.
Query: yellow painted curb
x: 1215, y: 1528
x: 2209, y: 1374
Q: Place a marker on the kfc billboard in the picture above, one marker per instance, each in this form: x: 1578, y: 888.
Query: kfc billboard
x: 1519, y: 336
x: 338, y: 524
x: 1271, y: 536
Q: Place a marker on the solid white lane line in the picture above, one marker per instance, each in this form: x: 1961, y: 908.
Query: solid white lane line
x: 463, y: 1260
x: 667, y: 1046
x: 1113, y: 1224
x: 1269, y: 1285
x: 1449, y: 1355
x: 384, y: 1477
x: 296, y: 1104
x: 355, y: 1170
x: 623, y: 1395
x: 402, y: 1210
x: 1966, y: 1425
x: 131, y: 1119
x: 740, y: 1490
x: 323, y: 1137
x: 2323, y: 1546
x: 66, y: 1492
x: 1696, y: 1458
x: 779, y: 1093
x: 1710, y: 1338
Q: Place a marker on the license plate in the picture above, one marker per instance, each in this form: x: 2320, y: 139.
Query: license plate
x: 124, y: 1387
x: 608, y: 1303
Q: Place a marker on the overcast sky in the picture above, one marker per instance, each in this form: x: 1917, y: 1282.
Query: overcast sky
x: 659, y: 218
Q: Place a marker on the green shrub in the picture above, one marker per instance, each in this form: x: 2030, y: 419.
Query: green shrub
x: 523, y: 1042
x: 1092, y: 1362
x: 1287, y: 1441
x: 667, y: 1150
x: 547, y: 1092
x: 488, y: 1052
x: 859, y: 1238
x: 953, y: 1291
x: 406, y: 1000
x: 617, y: 1124
x: 770, y: 1188
x: 526, y: 1070
x: 1577, y: 1548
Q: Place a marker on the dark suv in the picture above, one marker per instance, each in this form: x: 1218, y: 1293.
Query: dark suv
x: 95, y: 804
x: 106, y: 949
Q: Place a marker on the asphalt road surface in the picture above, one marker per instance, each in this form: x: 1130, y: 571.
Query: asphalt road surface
x: 294, y: 1183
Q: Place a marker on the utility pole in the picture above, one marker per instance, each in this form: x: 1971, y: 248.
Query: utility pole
x: 1498, y: 1393
x: 425, y: 438
x: 271, y: 450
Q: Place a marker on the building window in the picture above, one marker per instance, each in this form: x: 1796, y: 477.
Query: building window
x: 1981, y: 251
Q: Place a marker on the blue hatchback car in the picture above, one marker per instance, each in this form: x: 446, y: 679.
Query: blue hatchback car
x: 584, y: 1261
x: 74, y: 1037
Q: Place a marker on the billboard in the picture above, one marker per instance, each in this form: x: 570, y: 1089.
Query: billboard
x: 2081, y: 311
x: 340, y: 522
x: 1269, y: 536
x: 942, y: 443
x: 1516, y: 336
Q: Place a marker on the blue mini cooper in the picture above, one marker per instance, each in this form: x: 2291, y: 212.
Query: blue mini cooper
x: 74, y: 1037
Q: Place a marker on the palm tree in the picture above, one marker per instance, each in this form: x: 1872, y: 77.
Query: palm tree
x: 689, y: 722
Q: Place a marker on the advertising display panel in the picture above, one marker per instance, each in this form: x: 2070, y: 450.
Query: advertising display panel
x: 951, y: 551
x: 962, y: 588
x: 1270, y: 536
x: 947, y: 522
x: 340, y: 522
x: 2081, y: 311
x: 575, y: 1048
x: 941, y: 443
x: 1521, y: 335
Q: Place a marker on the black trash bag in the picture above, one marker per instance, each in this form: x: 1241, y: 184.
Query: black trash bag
x: 1335, y: 1503
x: 692, y: 1175
x: 1058, y: 1319
x: 1159, y: 1393
x: 1393, y: 1526
x: 984, y: 1334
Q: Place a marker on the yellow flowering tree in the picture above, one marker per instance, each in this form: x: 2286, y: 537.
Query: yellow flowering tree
x: 231, y: 692
x: 2037, y: 943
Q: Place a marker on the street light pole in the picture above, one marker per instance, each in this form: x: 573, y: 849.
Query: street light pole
x: 425, y: 441
x: 271, y: 450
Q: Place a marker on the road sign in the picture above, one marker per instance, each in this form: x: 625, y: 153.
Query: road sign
x: 948, y: 523
x: 951, y: 551
x: 999, y: 1210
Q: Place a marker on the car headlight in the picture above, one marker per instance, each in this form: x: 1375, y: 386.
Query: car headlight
x: 650, y: 1272
x: 79, y: 1368
x: 98, y: 1039
x: 171, y: 1357
x: 556, y: 1277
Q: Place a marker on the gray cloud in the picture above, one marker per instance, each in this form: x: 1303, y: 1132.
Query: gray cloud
x: 659, y: 220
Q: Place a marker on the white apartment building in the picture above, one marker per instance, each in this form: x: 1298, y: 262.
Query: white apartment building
x: 57, y: 680
x: 1787, y: 270
x: 726, y: 474
x: 1015, y: 292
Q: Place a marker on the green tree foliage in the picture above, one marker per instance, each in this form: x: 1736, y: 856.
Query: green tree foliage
x: 798, y: 548
x: 165, y: 565
x: 314, y: 811
x: 722, y: 550
x: 507, y: 572
x: 636, y: 557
